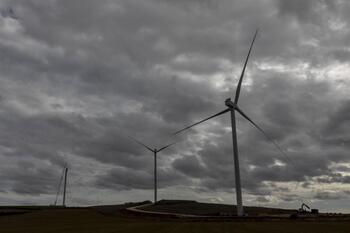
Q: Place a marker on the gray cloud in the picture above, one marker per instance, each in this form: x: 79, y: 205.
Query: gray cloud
x: 29, y: 179
x: 190, y: 165
x: 329, y: 195
x: 121, y: 179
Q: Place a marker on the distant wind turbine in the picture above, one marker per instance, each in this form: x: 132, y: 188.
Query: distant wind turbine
x: 232, y: 107
x: 64, y: 179
x: 65, y: 187
x: 155, y: 151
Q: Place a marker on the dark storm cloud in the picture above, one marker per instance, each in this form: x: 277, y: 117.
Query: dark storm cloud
x: 325, y: 195
x: 7, y: 12
x: 122, y: 178
x: 190, y: 165
x: 336, y: 131
x: 335, y: 178
x: 28, y: 178
x: 302, y: 10
x: 78, y: 77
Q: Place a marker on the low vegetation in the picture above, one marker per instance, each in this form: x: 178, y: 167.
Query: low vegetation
x: 112, y: 219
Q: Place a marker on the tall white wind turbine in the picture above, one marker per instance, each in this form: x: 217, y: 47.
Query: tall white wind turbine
x: 232, y: 106
x: 155, y: 152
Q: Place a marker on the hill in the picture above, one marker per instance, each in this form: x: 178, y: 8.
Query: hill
x: 208, y: 209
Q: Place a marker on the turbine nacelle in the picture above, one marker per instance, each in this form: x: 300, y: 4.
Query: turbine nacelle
x: 230, y: 104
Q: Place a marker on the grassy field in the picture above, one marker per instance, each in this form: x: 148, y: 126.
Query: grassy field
x: 209, y: 209
x: 86, y: 220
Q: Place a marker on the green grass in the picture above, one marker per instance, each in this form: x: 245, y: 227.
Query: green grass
x: 86, y: 220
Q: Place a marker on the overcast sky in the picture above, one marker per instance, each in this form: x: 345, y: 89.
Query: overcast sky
x: 77, y: 77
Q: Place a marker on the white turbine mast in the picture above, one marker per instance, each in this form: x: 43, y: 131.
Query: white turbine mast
x: 155, y: 152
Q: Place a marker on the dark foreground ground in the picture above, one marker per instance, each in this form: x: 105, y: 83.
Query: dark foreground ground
x: 108, y: 219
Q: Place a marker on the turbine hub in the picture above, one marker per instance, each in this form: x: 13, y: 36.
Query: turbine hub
x: 229, y: 103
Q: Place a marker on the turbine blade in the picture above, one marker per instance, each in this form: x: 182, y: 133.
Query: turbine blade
x: 238, y: 90
x: 265, y: 134
x: 137, y: 141
x: 217, y: 114
x: 164, y: 147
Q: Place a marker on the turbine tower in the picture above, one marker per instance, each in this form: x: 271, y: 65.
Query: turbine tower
x: 232, y: 106
x: 65, y: 186
x: 64, y: 179
x: 154, y: 151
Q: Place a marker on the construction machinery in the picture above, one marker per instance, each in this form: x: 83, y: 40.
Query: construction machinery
x: 305, y: 211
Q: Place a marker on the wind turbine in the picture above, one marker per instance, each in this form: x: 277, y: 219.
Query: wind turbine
x: 65, y: 187
x: 64, y: 179
x: 232, y: 106
x: 155, y: 151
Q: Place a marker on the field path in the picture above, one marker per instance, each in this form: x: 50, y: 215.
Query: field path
x: 136, y: 209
